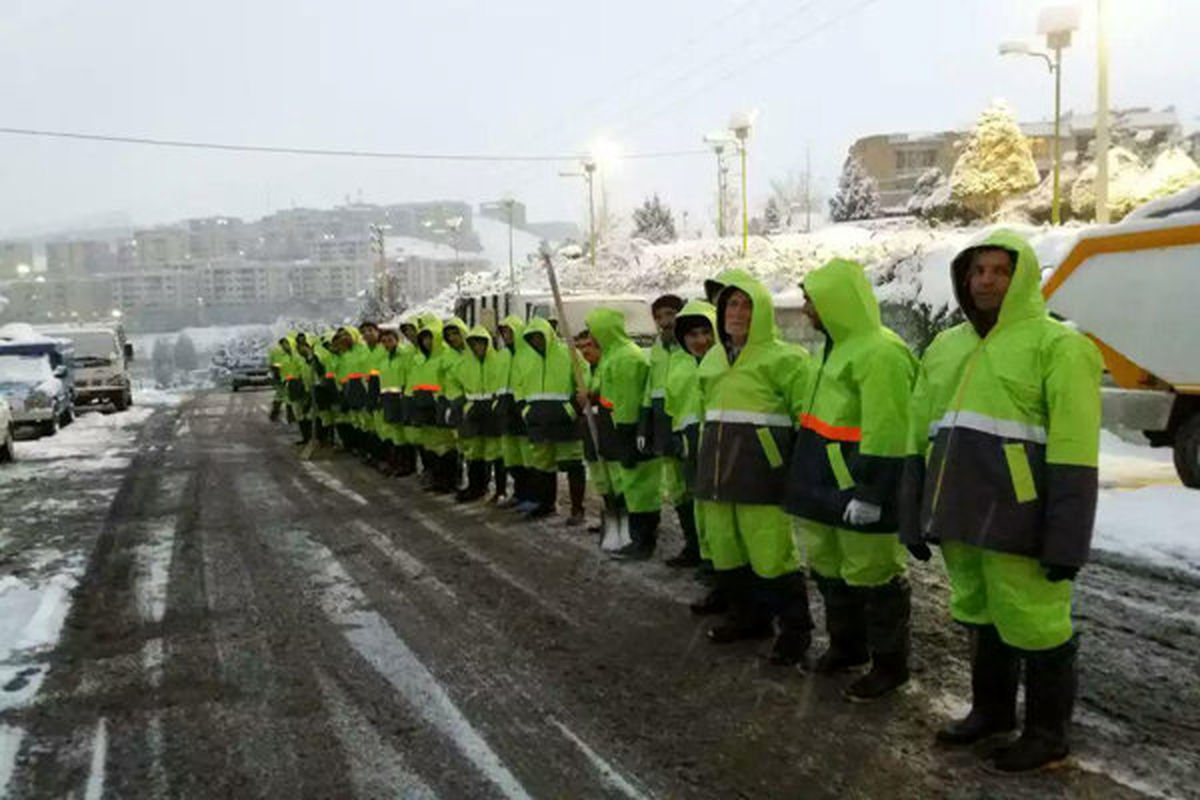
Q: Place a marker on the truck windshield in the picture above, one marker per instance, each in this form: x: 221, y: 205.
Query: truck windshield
x: 92, y: 348
x: 24, y: 369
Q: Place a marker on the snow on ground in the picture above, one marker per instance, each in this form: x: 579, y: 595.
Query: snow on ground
x: 1144, y: 512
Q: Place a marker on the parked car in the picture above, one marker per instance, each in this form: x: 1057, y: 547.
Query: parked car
x: 101, y: 363
x: 6, y: 432
x: 36, y: 379
x: 249, y: 373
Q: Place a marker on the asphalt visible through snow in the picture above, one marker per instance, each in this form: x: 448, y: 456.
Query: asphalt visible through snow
x: 251, y: 625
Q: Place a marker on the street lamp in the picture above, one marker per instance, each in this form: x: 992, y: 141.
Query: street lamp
x: 588, y: 174
x: 1057, y: 23
x: 718, y: 141
x: 1101, y: 112
x: 741, y: 123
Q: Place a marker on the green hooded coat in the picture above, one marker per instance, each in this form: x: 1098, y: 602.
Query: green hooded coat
x: 548, y: 388
x: 683, y: 402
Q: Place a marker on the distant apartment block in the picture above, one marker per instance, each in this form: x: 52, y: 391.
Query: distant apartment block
x: 79, y: 259
x: 16, y: 259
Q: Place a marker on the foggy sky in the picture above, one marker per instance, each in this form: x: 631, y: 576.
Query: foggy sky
x: 517, y: 76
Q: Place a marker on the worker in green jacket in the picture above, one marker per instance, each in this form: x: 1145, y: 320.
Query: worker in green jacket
x: 753, y: 385
x: 845, y: 477
x: 548, y: 390
x: 281, y: 350
x: 300, y: 396
x: 495, y: 384
x: 695, y: 332
x: 475, y: 418
x: 451, y: 402
x: 392, y: 376
x: 637, y: 477
x: 1004, y: 435
x: 513, y: 436
x: 589, y: 353
x: 406, y: 437
x: 371, y: 417
x: 423, y: 390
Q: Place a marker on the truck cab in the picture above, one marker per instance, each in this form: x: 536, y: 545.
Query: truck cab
x: 101, y: 364
x: 36, y: 380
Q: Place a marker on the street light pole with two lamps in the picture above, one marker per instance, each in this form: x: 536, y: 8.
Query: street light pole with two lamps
x: 588, y: 174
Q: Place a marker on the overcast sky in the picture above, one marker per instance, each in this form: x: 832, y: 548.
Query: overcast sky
x: 518, y: 76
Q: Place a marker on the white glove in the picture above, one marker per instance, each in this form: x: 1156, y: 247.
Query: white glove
x: 641, y: 444
x: 859, y: 513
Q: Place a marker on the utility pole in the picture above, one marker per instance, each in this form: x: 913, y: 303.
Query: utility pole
x: 511, y: 280
x: 376, y: 236
x: 807, y: 189
x: 1102, y: 135
x: 588, y: 174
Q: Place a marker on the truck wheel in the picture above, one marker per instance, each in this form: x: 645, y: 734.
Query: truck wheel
x: 1187, y: 451
x: 6, y: 448
x: 68, y: 416
x: 50, y: 428
x: 121, y: 402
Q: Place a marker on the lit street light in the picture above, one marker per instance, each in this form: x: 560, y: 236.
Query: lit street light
x: 741, y: 123
x: 1057, y: 23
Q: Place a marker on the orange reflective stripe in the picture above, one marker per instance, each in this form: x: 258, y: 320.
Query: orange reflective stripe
x: 604, y: 401
x: 839, y: 433
x: 427, y: 387
x: 331, y: 375
x: 374, y: 372
x: 354, y: 375
x: 287, y: 378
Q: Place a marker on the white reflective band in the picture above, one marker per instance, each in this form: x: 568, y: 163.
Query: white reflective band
x: 476, y: 397
x: 748, y: 417
x: 392, y: 391
x: 686, y: 422
x: 1004, y: 428
x: 504, y: 390
x: 548, y: 396
x: 658, y: 394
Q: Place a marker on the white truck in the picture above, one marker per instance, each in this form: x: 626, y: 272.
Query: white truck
x: 102, y: 359
x: 487, y: 310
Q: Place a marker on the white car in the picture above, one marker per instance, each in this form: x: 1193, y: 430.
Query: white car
x: 6, y: 432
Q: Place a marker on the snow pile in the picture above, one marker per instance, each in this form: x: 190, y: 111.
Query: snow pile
x: 1155, y: 524
x: 1132, y: 183
x: 22, y: 332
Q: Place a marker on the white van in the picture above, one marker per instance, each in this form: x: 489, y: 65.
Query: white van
x: 102, y: 358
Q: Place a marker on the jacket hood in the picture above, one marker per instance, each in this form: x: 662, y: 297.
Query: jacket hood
x: 479, y: 332
x: 542, y: 326
x: 1024, y: 297
x: 844, y: 299
x: 516, y: 325
x: 434, y: 327
x: 454, y: 322
x: 607, y: 326
x: 691, y: 313
x: 762, y: 321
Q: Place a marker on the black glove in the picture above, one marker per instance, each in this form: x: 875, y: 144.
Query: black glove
x: 1057, y: 572
x: 920, y: 551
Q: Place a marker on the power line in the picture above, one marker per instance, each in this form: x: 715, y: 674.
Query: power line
x: 315, y: 151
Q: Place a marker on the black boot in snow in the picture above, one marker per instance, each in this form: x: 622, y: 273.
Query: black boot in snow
x: 789, y: 601
x: 748, y: 617
x: 477, y: 480
x: 500, y: 478
x: 545, y: 494
x: 846, y: 623
x: 305, y: 431
x: 643, y: 531
x: 888, y: 609
x: 689, y: 556
x: 995, y: 674
x: 1050, y: 684
x: 715, y: 602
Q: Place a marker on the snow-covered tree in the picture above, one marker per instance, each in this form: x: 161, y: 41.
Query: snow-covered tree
x: 857, y: 194
x: 653, y: 222
x: 185, y: 353
x: 772, y: 219
x: 797, y: 199
x: 996, y: 162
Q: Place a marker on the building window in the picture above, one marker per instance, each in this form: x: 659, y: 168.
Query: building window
x: 909, y: 160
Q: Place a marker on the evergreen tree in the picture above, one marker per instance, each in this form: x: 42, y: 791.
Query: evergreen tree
x: 996, y: 163
x: 653, y: 222
x: 185, y: 353
x: 857, y: 194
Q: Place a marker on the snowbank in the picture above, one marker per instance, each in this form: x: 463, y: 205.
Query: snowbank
x: 1155, y: 524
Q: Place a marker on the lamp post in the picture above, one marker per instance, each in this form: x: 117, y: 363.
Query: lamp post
x: 509, y: 202
x: 741, y: 124
x: 1057, y: 23
x: 718, y: 140
x: 1102, y: 141
x: 588, y: 174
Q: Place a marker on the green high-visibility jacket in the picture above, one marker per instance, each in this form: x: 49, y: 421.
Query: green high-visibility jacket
x: 393, y: 375
x: 275, y: 357
x: 425, y: 375
x: 853, y: 428
x: 548, y: 388
x: 655, y: 423
x: 472, y: 377
x: 623, y: 370
x: 509, y: 404
x: 683, y: 402
x: 749, y: 404
x: 451, y: 401
x: 373, y: 360
x: 1006, y: 426
x: 352, y: 373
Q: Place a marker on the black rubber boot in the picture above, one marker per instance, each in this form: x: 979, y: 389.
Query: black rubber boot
x: 888, y: 609
x: 276, y: 407
x: 305, y: 431
x: 789, y: 601
x: 577, y: 489
x: 643, y: 531
x: 444, y: 468
x: 543, y: 489
x: 995, y: 674
x: 406, y: 460
x: 1050, y: 685
x: 477, y: 482
x: 689, y: 556
x: 500, y: 478
x: 748, y: 616
x: 846, y: 624
x: 715, y: 602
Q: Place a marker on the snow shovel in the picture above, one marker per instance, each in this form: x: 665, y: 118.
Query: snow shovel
x: 615, y: 528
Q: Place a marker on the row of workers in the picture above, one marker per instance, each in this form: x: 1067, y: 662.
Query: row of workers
x: 986, y: 447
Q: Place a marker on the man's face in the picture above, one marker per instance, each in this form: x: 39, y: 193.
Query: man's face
x: 410, y: 332
x: 738, y: 311
x: 285, y: 345
x: 370, y: 335
x: 425, y: 342
x: 698, y: 339
x: 664, y: 318
x: 303, y: 348
x: 389, y: 340
x: 454, y: 338
x: 988, y: 278
x: 478, y: 346
x: 506, y: 335
x: 589, y: 349
x: 537, y: 341
x: 343, y: 342
x: 809, y: 310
